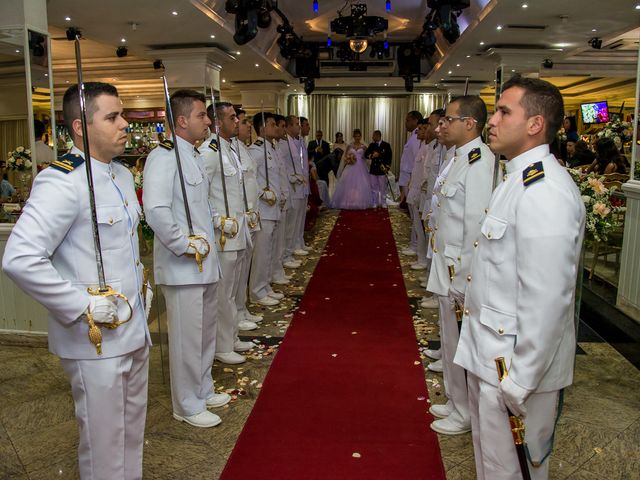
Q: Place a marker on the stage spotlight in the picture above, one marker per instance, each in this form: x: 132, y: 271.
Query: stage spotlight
x: 547, y: 63
x: 121, y: 52
x: 408, y: 84
x: 157, y: 64
x: 309, y: 86
x: 596, y: 43
x: 72, y: 32
x: 264, y: 18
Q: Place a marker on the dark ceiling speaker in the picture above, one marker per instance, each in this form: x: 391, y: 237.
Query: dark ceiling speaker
x: 408, y: 61
x: 308, y: 66
x: 121, y: 52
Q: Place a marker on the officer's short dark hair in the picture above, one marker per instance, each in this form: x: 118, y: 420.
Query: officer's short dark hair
x: 220, y: 106
x: 279, y: 118
x: 182, y: 102
x: 377, y: 132
x: 439, y: 112
x: 303, y: 119
x: 240, y: 111
x: 290, y: 119
x: 472, y: 106
x: 38, y: 129
x: 540, y: 98
x: 71, y: 101
x: 257, y: 120
x: 415, y: 115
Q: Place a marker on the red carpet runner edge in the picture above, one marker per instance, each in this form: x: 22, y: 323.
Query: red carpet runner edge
x: 345, y: 397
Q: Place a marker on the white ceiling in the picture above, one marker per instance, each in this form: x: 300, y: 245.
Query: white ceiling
x: 565, y: 28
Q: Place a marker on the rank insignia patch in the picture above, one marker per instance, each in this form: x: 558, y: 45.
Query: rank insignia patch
x: 258, y: 142
x: 168, y: 144
x: 532, y: 173
x: 67, y: 163
x: 474, y: 155
x: 213, y: 145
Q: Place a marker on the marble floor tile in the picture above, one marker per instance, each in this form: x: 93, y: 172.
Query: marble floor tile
x: 615, y: 460
x: 581, y: 474
x: 456, y: 449
x: 21, y: 366
x: 463, y: 471
x: 10, y: 464
x: 575, y: 441
x: 23, y: 389
x: 37, y: 415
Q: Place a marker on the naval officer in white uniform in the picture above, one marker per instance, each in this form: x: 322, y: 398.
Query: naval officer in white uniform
x: 232, y: 226
x: 464, y: 196
x: 520, y: 302
x: 190, y: 294
x: 51, y: 255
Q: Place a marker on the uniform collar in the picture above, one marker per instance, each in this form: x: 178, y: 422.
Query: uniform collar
x: 182, y: 143
x: 450, y: 153
x: 467, y: 147
x: 524, y: 159
x: 95, y: 163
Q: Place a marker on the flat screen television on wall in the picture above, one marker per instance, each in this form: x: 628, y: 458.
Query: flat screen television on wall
x: 597, y: 112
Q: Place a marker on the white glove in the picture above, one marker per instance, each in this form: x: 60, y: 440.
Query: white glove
x: 268, y: 195
x: 230, y: 227
x: 513, y: 396
x: 293, y: 178
x: 199, y: 245
x: 456, y: 296
x: 103, y: 309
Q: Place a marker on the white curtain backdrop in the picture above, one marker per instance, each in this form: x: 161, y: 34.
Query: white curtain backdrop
x: 343, y: 113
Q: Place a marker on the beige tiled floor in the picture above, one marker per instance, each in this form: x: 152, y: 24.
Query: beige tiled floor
x: 598, y: 435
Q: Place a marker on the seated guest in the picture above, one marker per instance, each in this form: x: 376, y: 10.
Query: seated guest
x: 6, y: 189
x: 318, y: 148
x: 608, y: 158
x: 579, y: 154
x: 571, y: 128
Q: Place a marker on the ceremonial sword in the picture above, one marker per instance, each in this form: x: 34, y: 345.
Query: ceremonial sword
x: 270, y: 202
x: 517, y: 426
x: 293, y: 163
x: 253, y: 215
x: 223, y: 180
x: 103, y: 290
x: 199, y: 257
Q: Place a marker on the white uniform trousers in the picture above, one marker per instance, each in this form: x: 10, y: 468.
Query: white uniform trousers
x: 455, y: 382
x: 244, y: 266
x: 493, y: 447
x: 227, y: 291
x: 192, y: 312
x: 296, y: 210
x: 261, y: 264
x: 278, y: 249
x: 378, y: 190
x: 302, y: 215
x: 110, y: 397
x: 417, y: 230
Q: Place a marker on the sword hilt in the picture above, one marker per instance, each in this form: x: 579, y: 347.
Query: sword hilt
x: 515, y: 422
x: 253, y: 218
x: 107, y: 291
x: 234, y: 231
x: 199, y: 256
x: 269, y: 201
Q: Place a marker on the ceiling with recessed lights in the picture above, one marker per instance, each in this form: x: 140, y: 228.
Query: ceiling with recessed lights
x: 520, y: 35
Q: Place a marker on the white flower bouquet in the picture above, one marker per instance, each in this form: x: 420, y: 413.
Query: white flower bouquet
x: 19, y: 160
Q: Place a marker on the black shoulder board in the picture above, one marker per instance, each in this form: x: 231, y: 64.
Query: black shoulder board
x: 532, y: 173
x: 258, y: 142
x: 67, y: 163
x: 213, y: 145
x: 474, y: 155
x: 168, y: 144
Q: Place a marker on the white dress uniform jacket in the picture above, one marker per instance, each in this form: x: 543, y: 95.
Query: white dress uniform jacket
x: 165, y: 213
x: 464, y: 196
x: 294, y: 164
x: 415, y: 182
x: 408, y: 156
x: 50, y: 254
x: 250, y: 172
x: 520, y: 302
x: 233, y: 182
x: 267, y: 212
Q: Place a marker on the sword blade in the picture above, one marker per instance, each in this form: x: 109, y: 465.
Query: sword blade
x: 87, y: 162
x: 172, y: 127
x: 244, y: 190
x: 217, y: 129
x: 264, y: 137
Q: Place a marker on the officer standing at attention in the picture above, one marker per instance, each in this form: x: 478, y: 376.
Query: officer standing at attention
x: 409, y: 154
x: 232, y: 233
x: 50, y: 254
x: 520, y: 302
x: 190, y: 292
x: 259, y: 288
x: 464, y: 197
x: 249, y: 173
x: 301, y: 249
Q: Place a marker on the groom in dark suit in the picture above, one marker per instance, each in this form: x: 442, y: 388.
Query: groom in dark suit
x: 318, y: 148
x: 379, y: 154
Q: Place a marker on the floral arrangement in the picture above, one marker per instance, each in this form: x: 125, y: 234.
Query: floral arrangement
x: 19, y: 159
x: 147, y: 232
x: 601, y: 208
x: 619, y: 132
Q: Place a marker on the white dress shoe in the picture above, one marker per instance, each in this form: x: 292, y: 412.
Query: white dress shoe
x: 288, y: 277
x: 267, y: 301
x: 448, y: 427
x: 423, y: 284
x: 435, y: 366
x: 250, y: 317
x: 435, y: 354
x: 409, y: 252
x: 246, y: 325
x: 281, y: 281
x: 419, y: 266
x: 300, y: 252
x: 306, y: 248
x: 217, y: 400
x: 430, y: 302
x: 276, y: 295
x: 293, y: 264
x: 240, y: 346
x: 204, y: 419
x: 230, y: 358
x: 441, y: 411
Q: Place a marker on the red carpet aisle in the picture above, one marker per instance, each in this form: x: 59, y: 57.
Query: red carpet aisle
x: 344, y: 398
